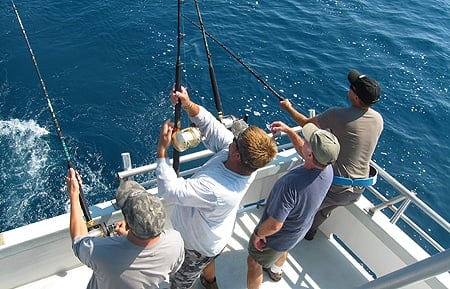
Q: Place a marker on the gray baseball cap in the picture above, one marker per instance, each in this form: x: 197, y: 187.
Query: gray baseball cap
x: 325, y: 146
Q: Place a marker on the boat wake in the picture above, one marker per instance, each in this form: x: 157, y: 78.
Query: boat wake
x: 21, y: 177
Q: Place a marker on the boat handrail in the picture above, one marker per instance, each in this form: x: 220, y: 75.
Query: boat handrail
x: 406, y: 195
x: 129, y: 172
x: 421, y: 270
x: 413, y: 197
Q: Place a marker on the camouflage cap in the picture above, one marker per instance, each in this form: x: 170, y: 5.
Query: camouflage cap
x: 238, y: 127
x: 143, y: 212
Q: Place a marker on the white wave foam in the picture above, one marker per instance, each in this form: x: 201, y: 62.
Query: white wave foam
x: 23, y: 143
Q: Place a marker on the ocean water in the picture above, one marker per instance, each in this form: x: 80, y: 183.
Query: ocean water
x: 109, y: 66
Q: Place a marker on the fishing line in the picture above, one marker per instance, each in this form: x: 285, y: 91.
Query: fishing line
x: 212, y: 74
x: 84, y: 207
x: 251, y: 70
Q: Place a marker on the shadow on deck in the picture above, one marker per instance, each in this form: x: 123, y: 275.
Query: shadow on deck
x: 311, y: 264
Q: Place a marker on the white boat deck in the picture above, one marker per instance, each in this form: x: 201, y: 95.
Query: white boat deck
x: 314, y: 264
x: 40, y: 249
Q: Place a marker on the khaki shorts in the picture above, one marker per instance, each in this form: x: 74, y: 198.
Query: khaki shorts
x: 266, y: 258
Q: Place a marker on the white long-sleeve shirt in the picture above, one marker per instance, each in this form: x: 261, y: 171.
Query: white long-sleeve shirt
x: 205, y: 204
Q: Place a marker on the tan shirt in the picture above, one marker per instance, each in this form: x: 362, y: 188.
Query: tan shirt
x: 358, y: 132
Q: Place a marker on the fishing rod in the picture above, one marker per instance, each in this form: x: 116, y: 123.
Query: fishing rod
x: 212, y: 74
x: 253, y: 72
x: 178, y: 67
x: 84, y: 206
x: 182, y: 139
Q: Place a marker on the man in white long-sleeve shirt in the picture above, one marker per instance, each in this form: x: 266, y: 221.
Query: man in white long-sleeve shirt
x: 206, y: 204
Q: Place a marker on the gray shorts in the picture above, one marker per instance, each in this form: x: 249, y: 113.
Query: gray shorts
x: 190, y: 270
x: 266, y: 258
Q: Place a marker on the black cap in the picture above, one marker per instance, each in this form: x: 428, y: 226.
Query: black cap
x: 367, y: 88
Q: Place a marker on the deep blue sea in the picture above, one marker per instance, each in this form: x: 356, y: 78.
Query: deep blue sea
x: 109, y: 66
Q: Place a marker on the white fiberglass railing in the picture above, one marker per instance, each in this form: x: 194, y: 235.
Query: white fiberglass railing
x: 406, y: 196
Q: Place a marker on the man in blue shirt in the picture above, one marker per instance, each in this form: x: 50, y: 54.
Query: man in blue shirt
x: 293, y: 201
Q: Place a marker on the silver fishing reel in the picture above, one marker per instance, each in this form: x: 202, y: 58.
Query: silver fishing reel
x: 227, y: 120
x: 187, y: 138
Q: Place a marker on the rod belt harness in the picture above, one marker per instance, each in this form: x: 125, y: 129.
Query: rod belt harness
x: 364, y: 182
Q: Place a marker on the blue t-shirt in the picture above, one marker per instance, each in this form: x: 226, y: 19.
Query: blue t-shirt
x: 294, y: 200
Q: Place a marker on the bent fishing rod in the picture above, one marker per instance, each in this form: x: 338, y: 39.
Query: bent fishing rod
x: 212, y: 74
x: 253, y: 72
x: 84, y: 207
x: 178, y: 68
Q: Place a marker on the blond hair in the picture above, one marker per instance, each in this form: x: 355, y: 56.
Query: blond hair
x: 258, y: 148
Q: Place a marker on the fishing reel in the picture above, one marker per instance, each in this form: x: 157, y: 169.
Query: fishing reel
x: 101, y: 230
x: 228, y: 120
x: 186, y: 138
x: 191, y: 137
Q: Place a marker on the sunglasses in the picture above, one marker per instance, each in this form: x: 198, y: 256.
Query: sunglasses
x: 235, y: 140
x: 245, y: 162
